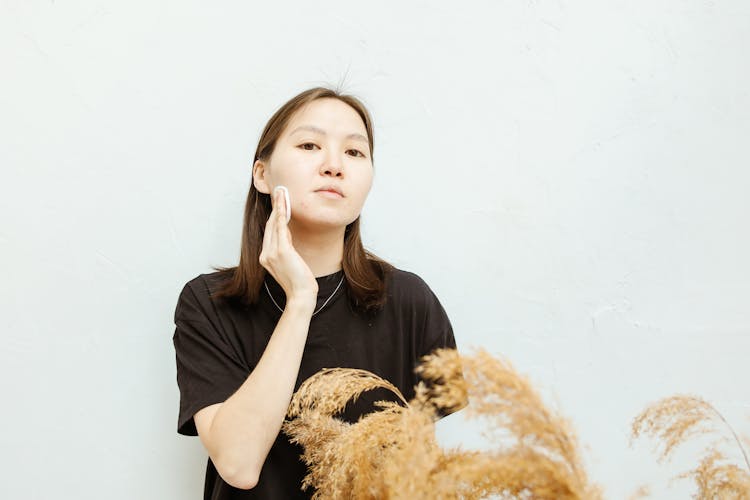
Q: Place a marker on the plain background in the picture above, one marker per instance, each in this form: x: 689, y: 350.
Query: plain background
x: 571, y: 178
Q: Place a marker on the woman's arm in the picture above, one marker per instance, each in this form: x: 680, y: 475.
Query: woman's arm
x: 239, y: 433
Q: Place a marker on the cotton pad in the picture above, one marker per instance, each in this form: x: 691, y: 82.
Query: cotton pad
x: 288, y: 203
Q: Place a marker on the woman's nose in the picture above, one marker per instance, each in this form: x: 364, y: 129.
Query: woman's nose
x: 333, y: 166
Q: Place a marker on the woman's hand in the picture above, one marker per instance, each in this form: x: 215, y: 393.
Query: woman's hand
x: 280, y: 258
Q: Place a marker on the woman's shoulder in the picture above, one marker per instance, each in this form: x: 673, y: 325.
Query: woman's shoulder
x: 197, y: 291
x: 203, y: 284
x: 409, y: 286
x: 195, y: 288
x: 405, y: 279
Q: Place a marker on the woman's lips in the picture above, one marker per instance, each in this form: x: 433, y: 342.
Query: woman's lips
x: 329, y: 194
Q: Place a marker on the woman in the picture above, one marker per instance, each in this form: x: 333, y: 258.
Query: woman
x: 305, y: 296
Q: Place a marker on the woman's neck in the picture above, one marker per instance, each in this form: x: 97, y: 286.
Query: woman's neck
x: 323, y: 251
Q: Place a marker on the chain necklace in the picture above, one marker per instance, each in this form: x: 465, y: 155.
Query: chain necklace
x: 316, y: 312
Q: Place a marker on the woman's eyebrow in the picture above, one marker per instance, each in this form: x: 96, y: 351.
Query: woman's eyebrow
x: 317, y: 130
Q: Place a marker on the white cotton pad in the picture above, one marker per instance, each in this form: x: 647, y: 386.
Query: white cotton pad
x: 288, y: 203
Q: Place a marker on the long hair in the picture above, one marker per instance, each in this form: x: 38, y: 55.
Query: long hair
x: 365, y: 273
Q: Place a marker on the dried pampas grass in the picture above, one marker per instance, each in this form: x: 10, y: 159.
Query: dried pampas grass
x: 675, y: 419
x: 393, y: 454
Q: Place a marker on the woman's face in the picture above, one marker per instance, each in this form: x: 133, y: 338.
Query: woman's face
x: 324, y: 145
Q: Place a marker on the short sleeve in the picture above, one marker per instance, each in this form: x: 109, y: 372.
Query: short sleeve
x: 437, y: 332
x: 208, y: 369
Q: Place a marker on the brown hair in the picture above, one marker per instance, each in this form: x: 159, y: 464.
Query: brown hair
x: 365, y: 273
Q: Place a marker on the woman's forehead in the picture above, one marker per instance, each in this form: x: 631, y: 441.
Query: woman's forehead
x: 327, y: 116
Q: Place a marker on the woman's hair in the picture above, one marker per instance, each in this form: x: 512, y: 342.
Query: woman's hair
x: 365, y: 273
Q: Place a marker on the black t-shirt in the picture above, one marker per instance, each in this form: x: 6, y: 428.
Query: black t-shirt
x: 218, y: 343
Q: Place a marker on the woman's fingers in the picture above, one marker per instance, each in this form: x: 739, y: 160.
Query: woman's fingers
x: 277, y: 250
x: 280, y: 207
x: 280, y: 219
x: 282, y: 230
x: 269, y: 235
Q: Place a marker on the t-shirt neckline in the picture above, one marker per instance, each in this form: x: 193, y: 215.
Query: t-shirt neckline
x: 326, y: 286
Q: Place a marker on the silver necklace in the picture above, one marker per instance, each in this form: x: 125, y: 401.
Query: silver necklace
x: 316, y: 312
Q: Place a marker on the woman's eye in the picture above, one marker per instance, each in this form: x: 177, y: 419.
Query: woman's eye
x: 357, y: 153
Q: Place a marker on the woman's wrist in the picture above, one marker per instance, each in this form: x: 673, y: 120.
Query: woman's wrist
x: 301, y: 302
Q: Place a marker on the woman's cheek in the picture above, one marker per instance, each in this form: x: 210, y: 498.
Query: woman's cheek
x: 304, y: 206
x: 362, y: 196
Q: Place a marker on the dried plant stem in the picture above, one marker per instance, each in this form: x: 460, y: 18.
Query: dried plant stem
x: 734, y: 434
x: 676, y: 418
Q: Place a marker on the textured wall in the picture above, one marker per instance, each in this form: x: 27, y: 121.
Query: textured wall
x: 570, y: 177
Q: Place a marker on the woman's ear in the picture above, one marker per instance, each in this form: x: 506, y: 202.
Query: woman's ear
x: 259, y: 177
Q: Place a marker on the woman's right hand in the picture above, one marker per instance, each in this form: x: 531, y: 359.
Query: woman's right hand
x: 280, y: 258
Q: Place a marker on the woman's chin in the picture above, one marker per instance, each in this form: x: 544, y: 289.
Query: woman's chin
x: 320, y: 223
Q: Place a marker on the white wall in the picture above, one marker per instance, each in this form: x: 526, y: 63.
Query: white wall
x: 580, y: 171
